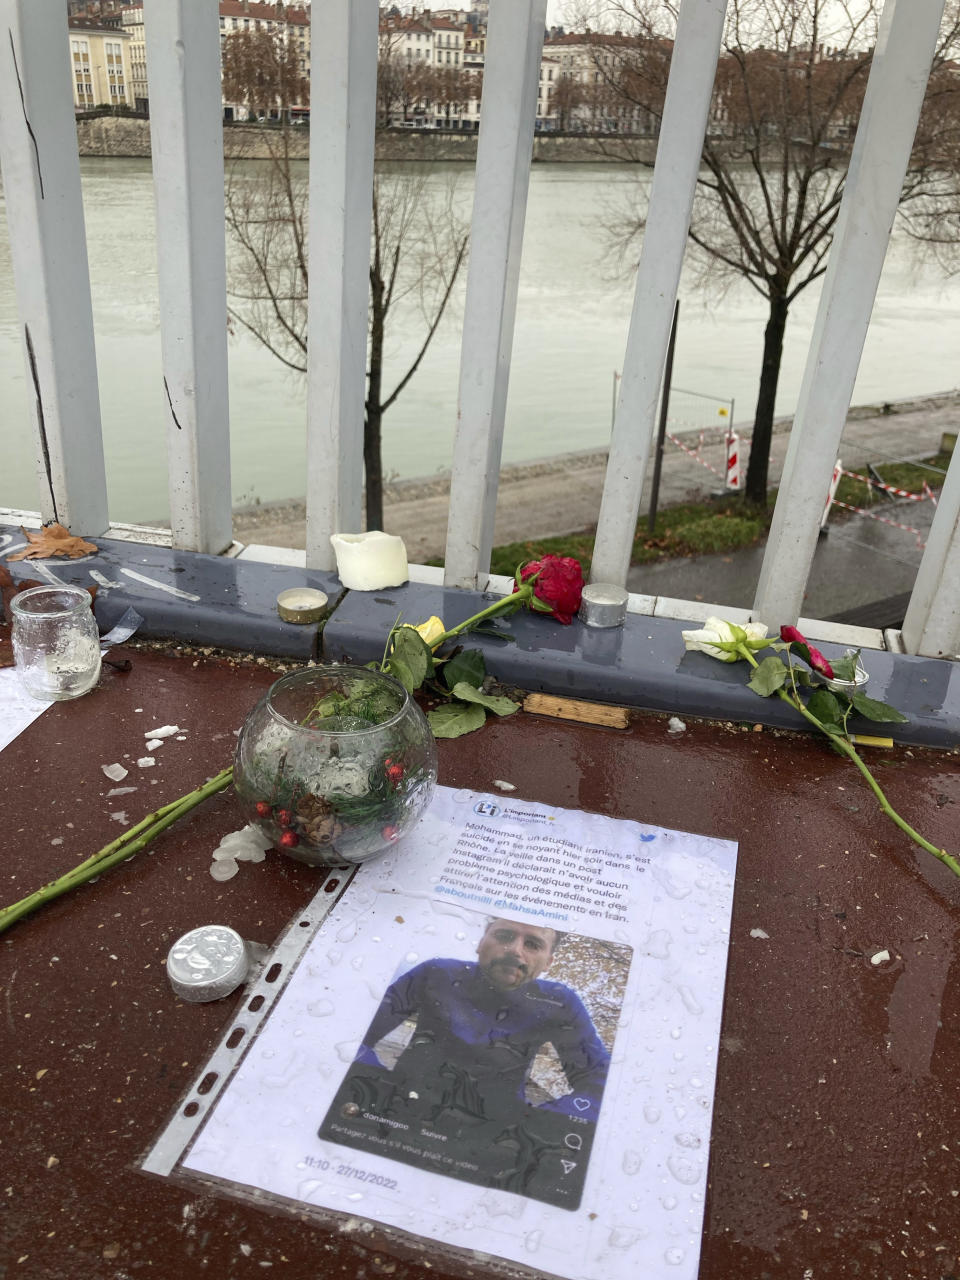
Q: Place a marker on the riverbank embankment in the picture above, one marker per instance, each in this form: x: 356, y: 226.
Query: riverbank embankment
x: 126, y: 136
x: 562, y: 495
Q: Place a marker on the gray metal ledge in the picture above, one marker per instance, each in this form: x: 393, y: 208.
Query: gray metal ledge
x: 231, y: 603
x: 643, y: 664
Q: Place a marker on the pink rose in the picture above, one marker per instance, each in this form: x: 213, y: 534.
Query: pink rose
x: 812, y: 657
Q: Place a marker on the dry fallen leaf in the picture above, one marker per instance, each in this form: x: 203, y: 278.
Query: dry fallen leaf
x: 54, y: 540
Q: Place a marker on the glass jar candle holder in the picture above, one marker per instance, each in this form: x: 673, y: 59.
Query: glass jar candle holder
x: 56, y: 644
x: 335, y: 764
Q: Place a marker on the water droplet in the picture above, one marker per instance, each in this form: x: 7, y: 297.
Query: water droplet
x: 696, y: 1082
x: 347, y: 932
x: 357, y: 962
x: 460, y: 935
x: 347, y: 1050
x: 669, y: 1202
x: 622, y: 1238
x: 690, y: 1001
x: 675, y: 1033
x: 531, y: 1241
x: 680, y: 1112
x: 657, y: 944
x: 683, y: 1169
x: 334, y: 955
x: 268, y: 1053
x: 320, y: 1008
x: 671, y: 884
x: 632, y: 1160
x: 678, y: 1056
x: 412, y: 957
x: 355, y: 1195
x: 674, y: 1256
x: 651, y: 1113
x: 688, y: 1140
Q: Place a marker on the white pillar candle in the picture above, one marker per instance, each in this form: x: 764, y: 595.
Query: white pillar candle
x: 370, y: 561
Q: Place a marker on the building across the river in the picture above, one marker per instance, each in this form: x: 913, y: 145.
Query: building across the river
x: 100, y: 64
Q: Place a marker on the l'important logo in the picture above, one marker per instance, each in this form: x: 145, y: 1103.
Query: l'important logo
x: 486, y: 809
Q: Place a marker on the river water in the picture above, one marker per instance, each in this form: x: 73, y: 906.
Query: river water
x: 571, y: 329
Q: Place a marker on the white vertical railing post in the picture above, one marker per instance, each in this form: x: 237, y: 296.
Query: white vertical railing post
x: 686, y: 109
x: 186, y: 137
x: 343, y: 97
x: 881, y: 152
x: 932, y: 622
x: 504, y: 152
x: 41, y: 176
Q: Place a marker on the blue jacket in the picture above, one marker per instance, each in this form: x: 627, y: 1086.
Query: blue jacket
x: 466, y: 1025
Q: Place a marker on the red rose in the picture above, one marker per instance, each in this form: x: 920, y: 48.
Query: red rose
x: 812, y: 657
x: 557, y: 586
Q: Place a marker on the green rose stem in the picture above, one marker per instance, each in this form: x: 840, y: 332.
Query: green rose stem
x: 118, y: 850
x: 848, y: 750
x: 507, y: 604
x: 149, y: 828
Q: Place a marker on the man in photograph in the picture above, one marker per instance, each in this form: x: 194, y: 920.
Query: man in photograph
x: 480, y: 1024
x: 457, y: 1096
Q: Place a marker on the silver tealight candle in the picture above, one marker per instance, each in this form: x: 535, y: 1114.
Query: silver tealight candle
x: 603, y: 604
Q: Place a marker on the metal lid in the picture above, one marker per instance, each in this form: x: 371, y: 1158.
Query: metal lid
x: 301, y: 604
x: 603, y: 604
x: 207, y: 963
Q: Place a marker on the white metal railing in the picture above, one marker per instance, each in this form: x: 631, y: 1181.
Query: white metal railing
x: 186, y: 137
x: 38, y: 153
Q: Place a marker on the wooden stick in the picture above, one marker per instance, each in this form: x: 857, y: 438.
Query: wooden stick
x: 545, y: 704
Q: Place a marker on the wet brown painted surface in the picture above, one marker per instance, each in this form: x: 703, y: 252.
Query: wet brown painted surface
x: 836, y: 1136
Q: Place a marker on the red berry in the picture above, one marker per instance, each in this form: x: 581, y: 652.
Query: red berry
x: 284, y: 817
x: 264, y: 809
x: 394, y: 773
x: 289, y: 839
x: 390, y: 833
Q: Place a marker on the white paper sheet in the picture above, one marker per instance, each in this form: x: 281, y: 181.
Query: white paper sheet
x: 17, y: 708
x: 646, y: 912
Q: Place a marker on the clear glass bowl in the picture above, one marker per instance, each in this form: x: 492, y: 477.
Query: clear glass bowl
x: 56, y: 644
x: 334, y: 764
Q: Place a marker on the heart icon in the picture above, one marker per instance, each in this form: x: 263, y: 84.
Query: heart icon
x: 582, y: 1104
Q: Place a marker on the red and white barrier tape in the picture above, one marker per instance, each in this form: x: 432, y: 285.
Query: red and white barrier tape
x: 883, y: 520
x: 695, y: 454
x: 891, y: 488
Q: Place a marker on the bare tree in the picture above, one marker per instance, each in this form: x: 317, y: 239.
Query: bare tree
x: 569, y: 97
x: 418, y: 247
x: 787, y: 99
x: 261, y: 70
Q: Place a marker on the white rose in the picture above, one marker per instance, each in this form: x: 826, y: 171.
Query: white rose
x: 756, y: 633
x: 719, y: 639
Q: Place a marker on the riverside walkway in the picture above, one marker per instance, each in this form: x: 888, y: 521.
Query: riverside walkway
x: 562, y: 494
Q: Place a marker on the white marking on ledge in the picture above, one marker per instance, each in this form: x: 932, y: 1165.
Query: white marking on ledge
x: 160, y: 586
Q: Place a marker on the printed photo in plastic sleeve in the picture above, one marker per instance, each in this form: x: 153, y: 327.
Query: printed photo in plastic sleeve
x: 490, y: 1070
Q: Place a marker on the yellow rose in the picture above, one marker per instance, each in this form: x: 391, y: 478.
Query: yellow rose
x: 430, y: 630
